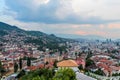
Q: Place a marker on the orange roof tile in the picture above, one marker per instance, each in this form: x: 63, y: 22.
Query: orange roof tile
x: 67, y: 63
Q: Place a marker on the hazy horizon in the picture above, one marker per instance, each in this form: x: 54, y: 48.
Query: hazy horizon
x: 75, y: 17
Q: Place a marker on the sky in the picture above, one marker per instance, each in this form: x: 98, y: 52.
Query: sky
x: 76, y: 17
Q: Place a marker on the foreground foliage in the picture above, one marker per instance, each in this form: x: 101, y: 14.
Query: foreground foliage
x: 46, y: 74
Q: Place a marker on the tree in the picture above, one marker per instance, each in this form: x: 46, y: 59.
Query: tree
x: 40, y: 74
x: 20, y: 63
x: 0, y: 68
x: 47, y: 63
x: 79, y: 54
x: 15, y: 67
x: 76, y: 55
x: 47, y: 74
x: 55, y: 63
x: 89, y: 55
x: 80, y: 67
x: 99, y: 72
x: 38, y: 78
x: 89, y: 62
x: 28, y: 61
x: 22, y: 73
x: 65, y: 74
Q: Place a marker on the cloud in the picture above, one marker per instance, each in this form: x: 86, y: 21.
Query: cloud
x: 105, y: 30
x: 64, y: 11
x: 32, y: 10
x: 115, y: 26
x: 104, y: 9
x: 79, y: 17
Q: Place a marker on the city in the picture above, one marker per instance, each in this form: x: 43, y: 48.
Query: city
x: 59, y: 40
x: 94, y: 58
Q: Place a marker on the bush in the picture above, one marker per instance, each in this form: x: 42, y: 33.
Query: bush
x: 46, y: 74
x: 22, y: 73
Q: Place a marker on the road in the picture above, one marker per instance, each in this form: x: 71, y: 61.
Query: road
x: 81, y: 76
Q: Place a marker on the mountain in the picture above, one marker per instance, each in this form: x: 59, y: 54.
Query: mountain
x: 7, y: 27
x: 15, y: 35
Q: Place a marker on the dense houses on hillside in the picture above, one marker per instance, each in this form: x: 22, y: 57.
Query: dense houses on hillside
x: 105, y: 56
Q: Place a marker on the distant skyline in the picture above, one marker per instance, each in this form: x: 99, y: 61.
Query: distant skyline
x: 76, y: 17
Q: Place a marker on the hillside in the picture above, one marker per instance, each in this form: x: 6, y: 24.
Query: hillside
x: 4, y: 26
x: 16, y: 35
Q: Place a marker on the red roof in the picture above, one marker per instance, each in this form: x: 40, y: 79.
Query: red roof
x: 40, y: 66
x: 80, y: 61
x: 32, y: 68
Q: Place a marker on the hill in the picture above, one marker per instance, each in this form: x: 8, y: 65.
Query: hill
x: 13, y: 34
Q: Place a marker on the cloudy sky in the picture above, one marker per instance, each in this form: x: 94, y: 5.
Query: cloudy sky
x: 79, y: 17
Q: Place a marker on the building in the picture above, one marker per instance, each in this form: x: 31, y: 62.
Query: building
x: 67, y: 64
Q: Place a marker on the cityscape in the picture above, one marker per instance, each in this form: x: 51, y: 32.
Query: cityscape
x: 59, y: 40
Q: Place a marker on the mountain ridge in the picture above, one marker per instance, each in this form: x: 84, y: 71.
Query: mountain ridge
x: 14, y: 34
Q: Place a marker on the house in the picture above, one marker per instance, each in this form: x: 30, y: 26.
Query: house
x: 80, y: 61
x: 1, y: 55
x: 67, y: 64
x: 31, y: 68
x: 115, y: 69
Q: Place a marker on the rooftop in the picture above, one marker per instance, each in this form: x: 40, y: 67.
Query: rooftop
x: 67, y: 63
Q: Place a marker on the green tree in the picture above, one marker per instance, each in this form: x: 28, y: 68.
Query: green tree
x: 0, y: 69
x: 42, y: 74
x: 80, y: 67
x: 76, y: 55
x: 28, y: 61
x: 89, y: 62
x: 89, y: 55
x: 47, y: 74
x: 20, y: 63
x: 55, y: 63
x: 21, y: 73
x: 38, y: 78
x: 65, y: 74
x: 47, y: 63
x: 15, y: 67
x: 99, y: 72
x: 79, y: 54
